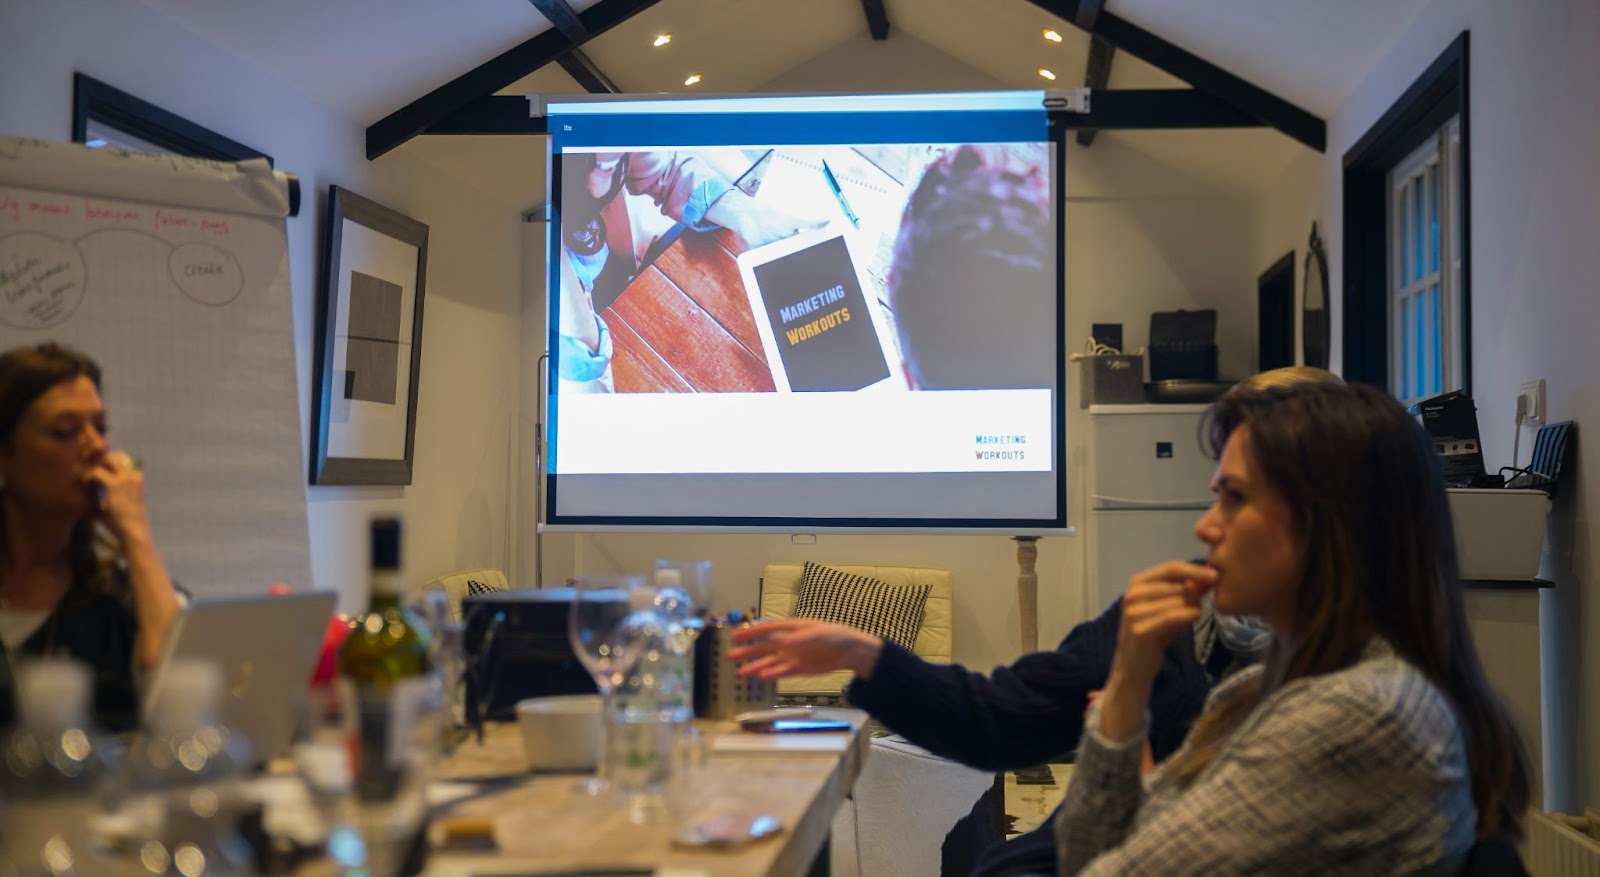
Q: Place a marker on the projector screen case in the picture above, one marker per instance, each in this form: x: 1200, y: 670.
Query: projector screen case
x: 828, y: 312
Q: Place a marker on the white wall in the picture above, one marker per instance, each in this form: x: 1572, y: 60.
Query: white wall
x: 1140, y: 236
x: 1281, y: 220
x: 1535, y: 132
x: 455, y: 508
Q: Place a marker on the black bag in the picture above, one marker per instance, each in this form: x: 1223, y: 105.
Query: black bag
x: 1183, y: 344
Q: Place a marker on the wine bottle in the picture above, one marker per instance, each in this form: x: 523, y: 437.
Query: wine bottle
x: 385, y: 659
x: 390, y: 643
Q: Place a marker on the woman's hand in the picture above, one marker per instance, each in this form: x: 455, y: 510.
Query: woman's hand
x: 803, y: 646
x: 1160, y: 604
x: 118, y: 487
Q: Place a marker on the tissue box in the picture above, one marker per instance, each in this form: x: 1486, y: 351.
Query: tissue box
x: 1112, y: 379
x: 1499, y: 532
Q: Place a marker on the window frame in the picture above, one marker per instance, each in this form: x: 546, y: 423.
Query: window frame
x: 1426, y: 107
x: 96, y: 101
x: 1433, y: 166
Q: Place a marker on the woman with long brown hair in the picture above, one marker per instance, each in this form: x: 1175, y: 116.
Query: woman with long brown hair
x: 1367, y: 741
x: 80, y: 574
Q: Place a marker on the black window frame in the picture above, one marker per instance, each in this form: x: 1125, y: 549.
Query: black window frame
x: 98, y: 101
x: 1440, y: 93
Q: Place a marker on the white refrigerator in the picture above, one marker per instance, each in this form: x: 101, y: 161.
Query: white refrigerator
x: 1149, y: 482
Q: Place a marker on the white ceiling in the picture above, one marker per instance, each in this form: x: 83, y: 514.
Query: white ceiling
x: 1309, y: 52
x: 367, y: 58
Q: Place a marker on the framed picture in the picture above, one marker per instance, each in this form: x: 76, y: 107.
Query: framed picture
x: 369, y: 342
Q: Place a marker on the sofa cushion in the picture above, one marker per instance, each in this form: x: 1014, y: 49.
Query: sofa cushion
x: 780, y: 582
x: 893, y: 612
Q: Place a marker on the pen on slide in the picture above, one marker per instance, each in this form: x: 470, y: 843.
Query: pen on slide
x: 833, y: 183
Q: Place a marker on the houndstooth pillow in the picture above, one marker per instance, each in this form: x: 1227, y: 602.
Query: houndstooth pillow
x: 475, y: 587
x: 893, y: 612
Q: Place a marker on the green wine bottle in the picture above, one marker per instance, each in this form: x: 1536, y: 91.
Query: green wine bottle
x: 385, y: 660
x: 390, y: 642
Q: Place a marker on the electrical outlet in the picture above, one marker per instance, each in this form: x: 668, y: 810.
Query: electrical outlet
x: 1533, y: 391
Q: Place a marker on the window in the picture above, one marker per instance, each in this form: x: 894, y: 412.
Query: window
x: 1425, y: 343
x: 1407, y: 239
x: 107, y: 116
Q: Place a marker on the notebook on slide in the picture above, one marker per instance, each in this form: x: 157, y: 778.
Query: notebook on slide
x: 820, y: 328
x: 267, y: 648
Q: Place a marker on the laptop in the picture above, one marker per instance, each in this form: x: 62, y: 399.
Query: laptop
x: 267, y: 648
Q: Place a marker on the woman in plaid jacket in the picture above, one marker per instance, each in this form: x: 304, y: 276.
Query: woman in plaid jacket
x: 1367, y: 741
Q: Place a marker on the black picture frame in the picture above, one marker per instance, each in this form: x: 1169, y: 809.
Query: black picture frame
x: 365, y: 294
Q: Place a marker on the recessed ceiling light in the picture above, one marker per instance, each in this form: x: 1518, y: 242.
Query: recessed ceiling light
x: 667, y: 38
x: 1052, y: 36
x: 1047, y: 74
x: 693, y: 78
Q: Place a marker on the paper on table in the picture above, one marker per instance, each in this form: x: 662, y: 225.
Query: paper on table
x: 738, y: 742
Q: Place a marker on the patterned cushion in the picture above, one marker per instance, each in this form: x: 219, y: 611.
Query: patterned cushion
x: 893, y: 612
x: 475, y: 587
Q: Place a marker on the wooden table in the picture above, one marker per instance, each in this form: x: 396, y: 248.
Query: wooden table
x: 552, y: 829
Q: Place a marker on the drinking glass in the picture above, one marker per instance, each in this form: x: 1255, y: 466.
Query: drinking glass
x: 447, y: 658
x: 608, y: 622
x: 365, y: 758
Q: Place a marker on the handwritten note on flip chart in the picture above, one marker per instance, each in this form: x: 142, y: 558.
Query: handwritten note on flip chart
x: 173, y: 274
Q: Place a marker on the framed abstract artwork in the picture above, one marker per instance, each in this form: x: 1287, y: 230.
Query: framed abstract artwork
x: 369, y: 343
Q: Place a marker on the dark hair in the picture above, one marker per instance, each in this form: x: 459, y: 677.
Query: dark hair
x: 976, y: 234
x: 26, y: 373
x: 1380, y: 559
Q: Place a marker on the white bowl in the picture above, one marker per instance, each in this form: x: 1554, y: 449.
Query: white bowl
x: 560, y: 732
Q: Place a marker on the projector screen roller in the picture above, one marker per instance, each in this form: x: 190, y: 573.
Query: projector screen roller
x: 805, y: 313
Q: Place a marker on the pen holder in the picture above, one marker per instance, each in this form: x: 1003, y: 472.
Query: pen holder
x: 719, y: 691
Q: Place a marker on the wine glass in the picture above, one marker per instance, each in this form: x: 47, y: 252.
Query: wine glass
x: 608, y: 623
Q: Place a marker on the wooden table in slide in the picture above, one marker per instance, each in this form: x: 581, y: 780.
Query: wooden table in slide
x: 542, y: 826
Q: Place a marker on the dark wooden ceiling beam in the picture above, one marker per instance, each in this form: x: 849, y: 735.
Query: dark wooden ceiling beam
x: 592, y: 78
x: 564, y: 18
x: 577, y: 63
x: 1130, y: 109
x: 1088, y: 13
x: 492, y: 114
x: 1274, y: 111
x: 493, y: 75
x: 1155, y: 109
x: 877, y: 18
x: 1096, y: 78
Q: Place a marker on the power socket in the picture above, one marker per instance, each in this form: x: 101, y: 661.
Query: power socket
x: 1533, y: 391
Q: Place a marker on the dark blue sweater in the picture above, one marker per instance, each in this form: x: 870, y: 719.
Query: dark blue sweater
x: 1027, y: 713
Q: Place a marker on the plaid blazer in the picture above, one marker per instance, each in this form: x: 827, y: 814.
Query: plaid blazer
x: 1358, y: 772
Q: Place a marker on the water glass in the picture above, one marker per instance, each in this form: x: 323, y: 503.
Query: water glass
x: 366, y: 757
x: 608, y: 623
x: 655, y: 766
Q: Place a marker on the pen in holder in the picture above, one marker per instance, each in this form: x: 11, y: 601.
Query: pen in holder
x: 719, y: 691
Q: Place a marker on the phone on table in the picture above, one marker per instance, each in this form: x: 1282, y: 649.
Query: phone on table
x: 780, y: 726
